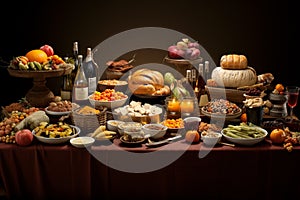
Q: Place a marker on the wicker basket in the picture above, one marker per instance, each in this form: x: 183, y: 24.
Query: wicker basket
x: 232, y: 95
x: 88, y: 123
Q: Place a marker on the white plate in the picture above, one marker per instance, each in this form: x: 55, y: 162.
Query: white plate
x: 57, y: 140
x: 245, y: 141
x: 82, y: 142
x: 56, y: 113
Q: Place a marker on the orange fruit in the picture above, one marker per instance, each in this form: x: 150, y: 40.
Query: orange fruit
x: 36, y: 55
x: 279, y: 87
x: 277, y: 136
x: 192, y: 136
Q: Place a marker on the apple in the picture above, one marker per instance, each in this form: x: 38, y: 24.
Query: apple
x: 24, y: 137
x: 47, y: 49
x: 173, y: 52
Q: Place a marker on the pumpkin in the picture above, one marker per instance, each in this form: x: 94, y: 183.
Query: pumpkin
x: 230, y: 78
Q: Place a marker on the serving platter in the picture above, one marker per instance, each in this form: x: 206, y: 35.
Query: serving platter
x: 183, y: 61
x: 221, y: 116
x: 59, y: 140
x: 246, y: 141
x: 56, y: 113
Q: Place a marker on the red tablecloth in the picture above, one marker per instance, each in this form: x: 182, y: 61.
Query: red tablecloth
x: 42, y: 171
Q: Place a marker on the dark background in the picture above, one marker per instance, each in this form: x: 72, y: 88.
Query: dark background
x: 258, y: 29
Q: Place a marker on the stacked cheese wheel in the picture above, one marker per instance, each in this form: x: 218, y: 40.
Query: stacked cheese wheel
x: 234, y: 72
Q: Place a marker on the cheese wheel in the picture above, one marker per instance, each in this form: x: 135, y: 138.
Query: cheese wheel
x: 234, y: 78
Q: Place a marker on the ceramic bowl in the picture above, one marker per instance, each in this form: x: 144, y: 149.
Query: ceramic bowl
x: 154, y: 131
x: 82, y: 142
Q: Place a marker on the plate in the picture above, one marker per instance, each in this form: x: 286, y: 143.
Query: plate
x: 56, y: 113
x: 221, y: 116
x: 133, y: 143
x: 245, y: 141
x: 57, y: 140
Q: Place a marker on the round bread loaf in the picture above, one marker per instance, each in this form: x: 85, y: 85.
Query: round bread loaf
x: 234, y: 61
x: 145, y: 81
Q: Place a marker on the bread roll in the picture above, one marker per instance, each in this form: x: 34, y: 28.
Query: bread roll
x: 234, y: 61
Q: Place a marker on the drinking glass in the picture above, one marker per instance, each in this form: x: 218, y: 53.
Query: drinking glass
x: 293, y: 93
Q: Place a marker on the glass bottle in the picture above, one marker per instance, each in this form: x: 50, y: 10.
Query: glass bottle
x: 202, y: 78
x: 206, y: 70
x: 80, y: 92
x: 91, y: 71
x: 75, y: 58
x: 67, y: 86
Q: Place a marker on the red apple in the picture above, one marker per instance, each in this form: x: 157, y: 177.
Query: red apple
x: 24, y: 137
x: 174, y: 52
x: 47, y: 49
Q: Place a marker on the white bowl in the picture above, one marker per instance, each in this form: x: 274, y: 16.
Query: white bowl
x: 154, y: 131
x: 245, y: 141
x: 108, y: 104
x: 191, y: 123
x: 82, y: 142
x: 112, y: 125
x: 121, y: 126
x: 57, y: 140
x: 210, y: 138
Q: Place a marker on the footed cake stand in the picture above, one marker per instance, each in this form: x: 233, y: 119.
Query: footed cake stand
x: 181, y: 65
x: 39, y: 95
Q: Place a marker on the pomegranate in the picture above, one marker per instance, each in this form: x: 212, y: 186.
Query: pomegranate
x: 24, y: 137
x: 47, y: 49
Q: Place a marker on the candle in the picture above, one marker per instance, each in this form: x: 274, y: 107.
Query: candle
x: 173, y: 106
x: 187, y: 106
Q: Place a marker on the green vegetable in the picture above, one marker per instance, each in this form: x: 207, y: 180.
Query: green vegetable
x: 169, y: 78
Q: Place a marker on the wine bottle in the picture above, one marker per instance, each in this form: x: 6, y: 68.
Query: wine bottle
x: 80, y: 89
x: 203, y: 75
x: 75, y: 58
x: 91, y: 71
x: 67, y: 86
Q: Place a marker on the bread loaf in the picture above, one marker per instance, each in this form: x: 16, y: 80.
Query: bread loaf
x: 234, y: 61
x: 145, y: 81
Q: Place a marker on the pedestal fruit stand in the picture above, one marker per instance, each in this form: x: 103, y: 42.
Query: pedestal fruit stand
x: 39, y: 95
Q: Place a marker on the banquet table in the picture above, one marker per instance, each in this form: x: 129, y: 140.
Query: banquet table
x: 45, y: 171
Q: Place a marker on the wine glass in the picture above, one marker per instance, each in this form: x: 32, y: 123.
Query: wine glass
x: 293, y: 93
